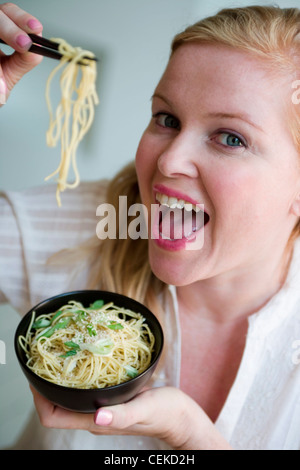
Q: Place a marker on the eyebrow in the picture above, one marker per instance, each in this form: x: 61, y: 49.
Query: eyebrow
x: 161, y: 97
x: 242, y: 116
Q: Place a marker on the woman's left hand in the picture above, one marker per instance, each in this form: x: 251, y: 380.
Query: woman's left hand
x: 165, y: 413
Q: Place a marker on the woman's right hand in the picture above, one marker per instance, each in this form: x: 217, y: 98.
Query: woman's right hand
x: 15, y: 24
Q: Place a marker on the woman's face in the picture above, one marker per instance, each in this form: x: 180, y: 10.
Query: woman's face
x: 218, y: 136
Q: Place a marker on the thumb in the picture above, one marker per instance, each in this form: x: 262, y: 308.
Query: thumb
x: 143, y: 413
x: 118, y: 416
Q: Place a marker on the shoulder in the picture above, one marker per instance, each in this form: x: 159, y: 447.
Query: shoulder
x: 33, y: 229
x: 43, y: 197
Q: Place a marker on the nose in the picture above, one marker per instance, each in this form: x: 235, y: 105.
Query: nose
x: 179, y: 158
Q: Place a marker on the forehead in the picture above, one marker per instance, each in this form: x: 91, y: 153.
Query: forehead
x: 221, y: 79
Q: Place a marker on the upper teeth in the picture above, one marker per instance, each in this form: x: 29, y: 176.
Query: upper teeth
x: 175, y: 203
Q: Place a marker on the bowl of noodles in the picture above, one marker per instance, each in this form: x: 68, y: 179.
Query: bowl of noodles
x: 86, y: 349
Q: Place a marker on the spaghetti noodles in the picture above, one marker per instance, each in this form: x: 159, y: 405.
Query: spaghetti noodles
x: 95, y: 347
x: 74, y: 114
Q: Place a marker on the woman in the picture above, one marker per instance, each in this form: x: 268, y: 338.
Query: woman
x: 224, y: 133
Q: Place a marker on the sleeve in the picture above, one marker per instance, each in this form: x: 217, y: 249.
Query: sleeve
x: 32, y: 229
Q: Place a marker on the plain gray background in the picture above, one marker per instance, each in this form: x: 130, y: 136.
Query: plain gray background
x: 132, y: 40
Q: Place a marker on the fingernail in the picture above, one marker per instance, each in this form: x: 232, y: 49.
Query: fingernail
x: 103, y: 417
x: 23, y: 41
x: 2, y: 91
x: 34, y: 24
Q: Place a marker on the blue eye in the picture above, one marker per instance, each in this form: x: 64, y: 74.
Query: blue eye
x: 230, y: 140
x: 167, y: 120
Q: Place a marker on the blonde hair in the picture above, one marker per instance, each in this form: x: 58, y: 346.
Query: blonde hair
x: 270, y: 33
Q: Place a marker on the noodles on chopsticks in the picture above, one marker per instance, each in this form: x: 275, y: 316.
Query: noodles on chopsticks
x: 75, y: 112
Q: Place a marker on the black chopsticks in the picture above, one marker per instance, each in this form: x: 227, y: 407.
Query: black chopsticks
x: 47, y: 48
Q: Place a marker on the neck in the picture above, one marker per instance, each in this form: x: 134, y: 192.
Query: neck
x: 235, y: 294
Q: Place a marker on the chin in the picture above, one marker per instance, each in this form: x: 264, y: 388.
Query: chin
x: 173, y: 268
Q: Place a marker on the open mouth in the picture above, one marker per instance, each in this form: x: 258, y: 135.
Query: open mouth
x: 179, y: 219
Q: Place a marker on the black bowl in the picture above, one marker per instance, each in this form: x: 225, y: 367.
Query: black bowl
x: 89, y: 400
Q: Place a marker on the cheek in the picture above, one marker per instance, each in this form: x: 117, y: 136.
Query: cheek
x: 251, y: 201
x: 140, y: 158
x: 145, y: 162
x: 230, y: 185
x: 239, y: 195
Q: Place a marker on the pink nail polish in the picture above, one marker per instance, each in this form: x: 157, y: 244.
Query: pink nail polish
x: 34, y: 24
x: 23, y: 41
x: 103, y: 417
x: 3, y: 91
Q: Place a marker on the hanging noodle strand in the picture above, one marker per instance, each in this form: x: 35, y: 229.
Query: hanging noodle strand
x: 75, y: 112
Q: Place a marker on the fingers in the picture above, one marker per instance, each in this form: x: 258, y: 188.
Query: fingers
x: 123, y: 419
x: 15, y: 24
x: 52, y: 416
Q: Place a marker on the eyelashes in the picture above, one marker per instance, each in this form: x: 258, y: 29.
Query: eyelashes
x: 230, y: 139
x: 226, y: 138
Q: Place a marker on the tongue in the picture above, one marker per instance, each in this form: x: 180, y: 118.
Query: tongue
x: 176, y: 224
